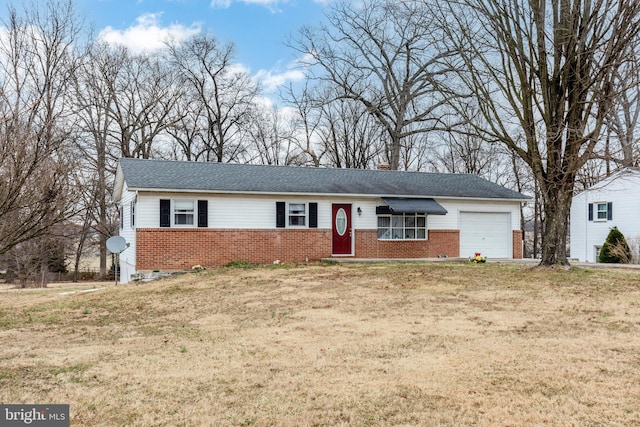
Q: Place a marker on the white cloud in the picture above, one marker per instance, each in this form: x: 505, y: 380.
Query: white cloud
x: 270, y: 81
x: 238, y: 68
x: 306, y: 60
x: 272, y: 5
x: 263, y: 102
x: 147, y: 34
x: 294, y: 72
x: 220, y: 4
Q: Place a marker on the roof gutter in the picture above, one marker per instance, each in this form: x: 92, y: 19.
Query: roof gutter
x: 297, y: 194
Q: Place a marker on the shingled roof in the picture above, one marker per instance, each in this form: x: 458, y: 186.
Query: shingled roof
x: 165, y: 175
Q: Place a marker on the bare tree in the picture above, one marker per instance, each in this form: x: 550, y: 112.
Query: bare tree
x: 546, y: 70
x: 381, y: 53
x: 87, y: 223
x: 620, y: 139
x: 461, y: 150
x: 306, y: 106
x: 271, y: 136
x: 417, y: 150
x: 100, y: 150
x: 36, y: 68
x: 189, y: 139
x: 623, y: 119
x: 331, y: 130
x: 124, y: 104
x: 351, y: 137
x: 219, y: 89
x: 143, y: 95
x: 523, y: 182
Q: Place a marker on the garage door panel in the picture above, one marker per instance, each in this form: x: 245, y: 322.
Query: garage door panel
x: 486, y: 232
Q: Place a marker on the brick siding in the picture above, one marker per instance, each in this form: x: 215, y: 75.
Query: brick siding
x: 180, y: 249
x: 517, y: 244
x: 439, y: 243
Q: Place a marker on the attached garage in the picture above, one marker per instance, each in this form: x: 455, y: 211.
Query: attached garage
x: 486, y: 232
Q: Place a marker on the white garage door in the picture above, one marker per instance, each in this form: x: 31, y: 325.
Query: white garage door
x: 486, y: 232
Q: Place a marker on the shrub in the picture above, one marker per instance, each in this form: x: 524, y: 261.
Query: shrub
x: 615, y: 248
x: 241, y: 264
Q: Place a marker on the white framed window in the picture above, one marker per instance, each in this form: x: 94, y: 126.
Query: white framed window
x: 602, y: 211
x: 132, y: 213
x: 402, y: 227
x: 297, y: 214
x: 183, y: 212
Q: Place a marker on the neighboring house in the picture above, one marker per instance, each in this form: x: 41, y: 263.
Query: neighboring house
x: 614, y: 201
x: 179, y: 214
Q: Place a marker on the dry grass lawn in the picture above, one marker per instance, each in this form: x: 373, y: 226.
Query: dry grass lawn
x: 364, y: 345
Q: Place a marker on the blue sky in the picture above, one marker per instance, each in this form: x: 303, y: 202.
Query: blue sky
x: 258, y: 28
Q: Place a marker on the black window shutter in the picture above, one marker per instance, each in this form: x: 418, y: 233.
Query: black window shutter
x: 280, y: 214
x: 609, y: 211
x: 203, y: 213
x: 165, y: 213
x: 313, y: 215
x: 590, y: 211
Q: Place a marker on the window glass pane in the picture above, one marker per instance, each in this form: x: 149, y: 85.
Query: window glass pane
x: 602, y: 211
x: 183, y: 219
x: 183, y: 205
x: 384, y: 233
x: 296, y: 208
x: 341, y: 222
x: 183, y: 212
x: 422, y: 233
x: 396, y: 221
x: 410, y: 221
x: 396, y: 233
x: 384, y: 221
x: 409, y: 233
x: 296, y: 220
x: 297, y: 215
x: 421, y: 221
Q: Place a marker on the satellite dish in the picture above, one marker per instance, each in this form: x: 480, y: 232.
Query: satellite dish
x: 116, y: 244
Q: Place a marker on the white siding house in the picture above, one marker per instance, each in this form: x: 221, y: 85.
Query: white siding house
x: 613, y: 202
x: 175, y: 215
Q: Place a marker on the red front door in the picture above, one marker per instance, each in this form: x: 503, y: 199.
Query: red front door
x: 342, y: 232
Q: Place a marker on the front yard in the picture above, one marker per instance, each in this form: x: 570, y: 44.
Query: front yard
x: 415, y: 344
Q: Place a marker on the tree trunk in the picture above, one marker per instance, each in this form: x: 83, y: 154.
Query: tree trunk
x: 557, y: 205
x: 536, y: 219
x: 394, y: 161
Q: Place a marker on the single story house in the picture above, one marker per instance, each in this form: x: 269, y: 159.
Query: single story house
x: 613, y: 202
x: 178, y: 214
